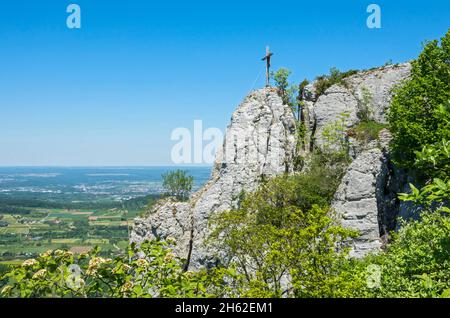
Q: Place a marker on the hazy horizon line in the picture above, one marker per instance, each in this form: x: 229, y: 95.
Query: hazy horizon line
x: 108, y: 166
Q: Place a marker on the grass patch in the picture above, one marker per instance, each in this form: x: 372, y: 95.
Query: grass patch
x: 366, y: 130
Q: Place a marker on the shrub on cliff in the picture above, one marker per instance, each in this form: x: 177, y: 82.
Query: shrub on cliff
x: 178, y: 184
x: 324, y: 82
x: 415, y: 264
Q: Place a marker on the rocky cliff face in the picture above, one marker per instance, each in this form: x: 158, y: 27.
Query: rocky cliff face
x: 367, y: 196
x: 260, y: 141
x: 348, y: 97
x: 360, y: 198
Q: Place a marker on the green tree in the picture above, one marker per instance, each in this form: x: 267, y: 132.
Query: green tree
x: 178, y: 184
x: 286, y: 90
x: 415, y: 115
x: 434, y: 161
x: 270, y: 238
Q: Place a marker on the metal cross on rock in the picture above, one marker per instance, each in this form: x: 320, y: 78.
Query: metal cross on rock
x: 267, y: 59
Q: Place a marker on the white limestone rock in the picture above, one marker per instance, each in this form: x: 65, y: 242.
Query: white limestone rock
x: 356, y: 201
x: 380, y: 82
x: 347, y: 97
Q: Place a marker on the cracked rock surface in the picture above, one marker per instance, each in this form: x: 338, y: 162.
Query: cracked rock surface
x: 347, y: 97
x: 366, y: 199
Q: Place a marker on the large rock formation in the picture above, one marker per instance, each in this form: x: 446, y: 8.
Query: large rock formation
x: 356, y: 200
x: 347, y: 97
x: 367, y: 196
x: 260, y: 141
x: 363, y: 199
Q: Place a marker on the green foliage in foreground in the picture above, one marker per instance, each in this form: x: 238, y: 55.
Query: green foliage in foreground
x: 269, y: 239
x: 417, y: 263
x: 437, y: 193
x: 150, y: 271
x: 417, y: 113
x: 434, y: 160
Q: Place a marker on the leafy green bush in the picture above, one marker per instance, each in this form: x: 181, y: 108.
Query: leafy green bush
x: 317, y: 185
x: 417, y: 262
x: 434, y: 160
x: 415, y: 115
x: 270, y: 238
x: 435, y: 194
x: 150, y: 271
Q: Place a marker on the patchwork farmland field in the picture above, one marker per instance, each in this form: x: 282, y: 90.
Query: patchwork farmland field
x: 23, y: 236
x: 76, y: 209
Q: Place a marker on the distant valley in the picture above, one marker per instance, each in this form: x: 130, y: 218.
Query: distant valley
x: 75, y: 208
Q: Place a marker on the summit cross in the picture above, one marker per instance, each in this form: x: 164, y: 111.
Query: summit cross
x: 267, y: 59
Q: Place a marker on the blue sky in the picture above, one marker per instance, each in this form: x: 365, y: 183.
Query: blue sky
x: 112, y: 92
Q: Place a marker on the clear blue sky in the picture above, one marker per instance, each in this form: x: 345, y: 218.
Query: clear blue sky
x: 112, y: 92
